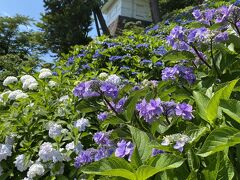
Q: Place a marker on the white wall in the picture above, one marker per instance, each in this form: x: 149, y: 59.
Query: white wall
x: 113, y: 11
x: 139, y: 9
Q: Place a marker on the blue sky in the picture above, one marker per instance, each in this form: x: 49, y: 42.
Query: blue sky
x: 31, y: 8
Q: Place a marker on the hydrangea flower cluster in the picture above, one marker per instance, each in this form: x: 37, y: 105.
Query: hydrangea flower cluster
x: 179, y: 141
x: 36, y: 169
x: 5, y: 151
x: 124, y: 149
x: 156, y: 152
x: 152, y: 110
x: 29, y: 82
x: 10, y: 80
x: 45, y: 73
x: 76, y: 148
x: 95, y: 88
x: 48, y: 153
x: 119, y: 106
x: 54, y: 130
x: 102, y: 138
x: 82, y: 124
x: 171, y: 73
x: 91, y: 155
x: 21, y: 163
x: 102, y: 116
x: 149, y: 111
x: 17, y: 94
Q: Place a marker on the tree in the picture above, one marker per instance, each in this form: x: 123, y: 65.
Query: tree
x: 19, y: 46
x: 155, y: 11
x: 65, y: 23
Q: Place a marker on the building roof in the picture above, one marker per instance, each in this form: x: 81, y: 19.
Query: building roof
x: 107, y: 5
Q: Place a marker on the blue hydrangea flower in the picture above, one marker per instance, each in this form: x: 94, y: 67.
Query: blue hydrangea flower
x: 85, y: 157
x: 144, y: 45
x: 158, y: 64
x: 86, y: 66
x: 221, y: 37
x: 146, y: 61
x: 160, y: 51
x: 198, y: 35
x: 169, y: 108
x: 103, y: 152
x: 115, y: 58
x: 97, y: 55
x: 70, y: 61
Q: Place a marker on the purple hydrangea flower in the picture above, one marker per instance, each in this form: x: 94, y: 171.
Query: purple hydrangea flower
x: 184, y: 110
x: 103, y: 152
x: 169, y: 108
x: 54, y: 73
x: 102, y: 116
x: 124, y: 149
x: 149, y: 111
x: 205, y: 17
x: 109, y: 89
x: 85, y: 157
x: 102, y: 138
x: 198, y: 35
x: 84, y: 90
x: 118, y: 107
x: 221, y: 37
x: 187, y: 73
x: 156, y: 152
x: 135, y: 88
x: 170, y: 73
x: 81, y: 55
x: 110, y: 44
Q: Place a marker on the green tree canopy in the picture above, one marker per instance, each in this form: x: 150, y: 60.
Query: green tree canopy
x: 65, y: 23
x: 19, y: 45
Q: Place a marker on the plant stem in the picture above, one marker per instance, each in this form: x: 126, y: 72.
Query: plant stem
x: 200, y: 57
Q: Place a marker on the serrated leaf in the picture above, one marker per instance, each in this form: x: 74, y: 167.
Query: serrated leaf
x: 231, y: 108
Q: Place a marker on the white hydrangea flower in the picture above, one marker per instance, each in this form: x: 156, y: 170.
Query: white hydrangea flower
x: 55, y: 130
x: 30, y: 83
x: 45, y: 70
x: 9, y: 80
x: 25, y: 77
x: 81, y: 124
x: 12, y: 95
x: 20, y: 163
x: 21, y: 95
x: 52, y: 84
x: 5, y: 151
x: 48, y: 153
x: 45, y: 152
x: 44, y: 75
x: 63, y: 98
x: 114, y: 79
x: 36, y: 169
x: 1, y: 170
x: 103, y: 75
x: 70, y: 146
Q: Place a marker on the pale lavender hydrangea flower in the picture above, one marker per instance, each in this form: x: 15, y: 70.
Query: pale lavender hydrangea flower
x: 102, y: 138
x: 36, y: 169
x: 5, y: 151
x: 82, y: 124
x: 109, y: 89
x: 102, y: 116
x: 21, y: 164
x: 170, y: 73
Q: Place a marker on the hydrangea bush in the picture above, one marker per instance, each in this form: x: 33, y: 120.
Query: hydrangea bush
x: 163, y: 104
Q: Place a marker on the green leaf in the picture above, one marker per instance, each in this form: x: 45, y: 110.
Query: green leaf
x: 223, y: 93
x: 142, y: 143
x: 218, y: 166
x: 219, y: 139
x: 110, y: 167
x: 133, y: 99
x: 157, y: 164
x: 201, y: 101
x: 231, y: 108
x: 175, y: 56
